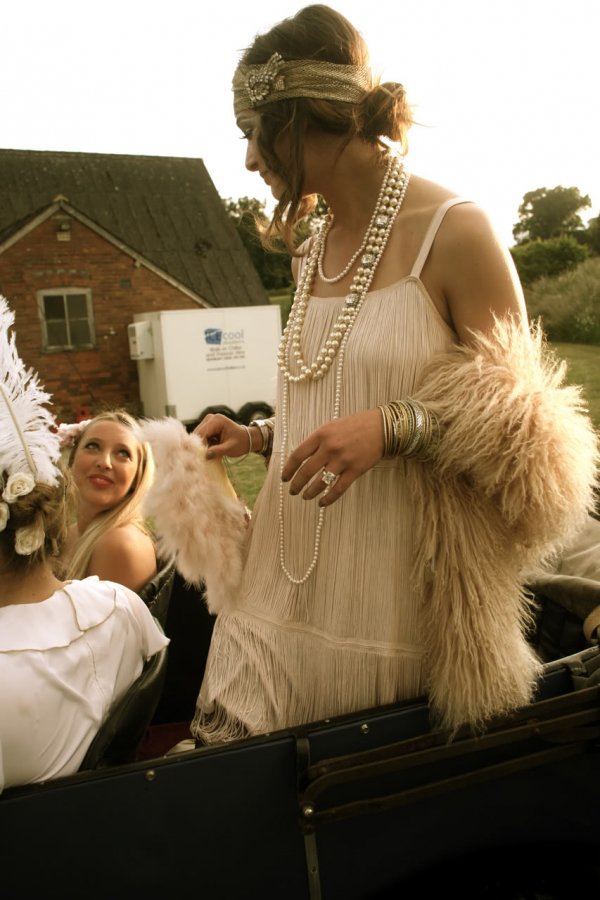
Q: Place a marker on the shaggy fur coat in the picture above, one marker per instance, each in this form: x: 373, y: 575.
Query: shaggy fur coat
x: 511, y: 482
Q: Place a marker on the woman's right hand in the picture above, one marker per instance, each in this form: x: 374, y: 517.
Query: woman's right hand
x: 225, y: 437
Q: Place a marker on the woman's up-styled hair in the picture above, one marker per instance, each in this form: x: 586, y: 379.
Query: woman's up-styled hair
x: 319, y: 33
x: 127, y: 511
x: 45, y: 509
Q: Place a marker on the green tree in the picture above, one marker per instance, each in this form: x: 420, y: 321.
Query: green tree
x: 592, y: 235
x: 538, y: 259
x: 569, y: 304
x: 273, y: 268
x: 550, y: 212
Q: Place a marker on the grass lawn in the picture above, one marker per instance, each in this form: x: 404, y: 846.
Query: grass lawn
x: 583, y: 362
x: 247, y: 477
x: 583, y: 367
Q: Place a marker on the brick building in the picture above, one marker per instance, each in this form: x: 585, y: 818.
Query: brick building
x: 87, y: 241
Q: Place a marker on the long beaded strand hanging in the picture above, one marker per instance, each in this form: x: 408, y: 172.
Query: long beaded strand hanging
x: 378, y: 233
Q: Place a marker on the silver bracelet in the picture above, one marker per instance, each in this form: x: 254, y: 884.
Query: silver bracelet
x: 265, y: 427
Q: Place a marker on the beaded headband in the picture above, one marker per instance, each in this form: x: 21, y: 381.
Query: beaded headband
x: 253, y: 86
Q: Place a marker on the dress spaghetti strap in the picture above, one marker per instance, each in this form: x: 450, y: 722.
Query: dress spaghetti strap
x: 429, y: 238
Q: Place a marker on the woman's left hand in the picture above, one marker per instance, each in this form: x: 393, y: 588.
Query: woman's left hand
x: 346, y: 447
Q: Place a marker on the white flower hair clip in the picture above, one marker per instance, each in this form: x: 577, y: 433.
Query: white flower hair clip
x: 68, y: 434
x: 18, y: 485
x: 29, y: 539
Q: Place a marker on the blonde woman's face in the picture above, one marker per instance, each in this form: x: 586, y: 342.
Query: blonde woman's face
x: 105, y: 465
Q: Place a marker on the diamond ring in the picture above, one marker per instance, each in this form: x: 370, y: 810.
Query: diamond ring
x: 328, y: 478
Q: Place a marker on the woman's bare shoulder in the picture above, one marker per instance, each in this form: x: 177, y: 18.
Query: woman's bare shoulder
x: 424, y: 197
x: 465, y: 225
x: 127, y: 535
x: 126, y: 555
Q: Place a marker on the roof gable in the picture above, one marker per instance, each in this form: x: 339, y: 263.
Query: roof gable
x: 166, y: 209
x: 36, y: 219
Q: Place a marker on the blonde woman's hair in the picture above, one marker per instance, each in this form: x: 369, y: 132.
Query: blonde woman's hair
x: 126, y: 512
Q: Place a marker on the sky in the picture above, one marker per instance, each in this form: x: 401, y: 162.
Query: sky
x: 506, y: 95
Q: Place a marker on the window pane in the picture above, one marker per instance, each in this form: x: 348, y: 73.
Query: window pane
x: 57, y: 334
x: 54, y: 307
x: 80, y: 333
x: 77, y: 306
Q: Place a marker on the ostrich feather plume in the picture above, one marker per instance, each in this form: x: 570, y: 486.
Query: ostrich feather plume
x: 28, y: 439
x: 200, y: 523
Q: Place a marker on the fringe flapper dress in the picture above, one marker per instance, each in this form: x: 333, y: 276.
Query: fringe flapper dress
x: 349, y: 637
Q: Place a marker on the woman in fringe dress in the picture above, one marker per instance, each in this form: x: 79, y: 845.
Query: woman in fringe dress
x: 424, y: 451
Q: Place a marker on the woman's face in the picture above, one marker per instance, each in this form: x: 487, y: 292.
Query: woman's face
x: 320, y: 154
x: 249, y: 122
x: 105, y: 464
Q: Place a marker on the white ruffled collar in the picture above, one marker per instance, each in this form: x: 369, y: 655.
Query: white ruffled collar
x: 60, y: 620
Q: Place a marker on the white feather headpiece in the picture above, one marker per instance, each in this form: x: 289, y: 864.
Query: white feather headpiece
x: 29, y: 443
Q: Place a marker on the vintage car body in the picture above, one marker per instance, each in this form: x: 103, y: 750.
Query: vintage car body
x: 374, y: 805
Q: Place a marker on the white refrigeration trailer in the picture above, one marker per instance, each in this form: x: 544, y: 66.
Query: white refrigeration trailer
x: 195, y: 361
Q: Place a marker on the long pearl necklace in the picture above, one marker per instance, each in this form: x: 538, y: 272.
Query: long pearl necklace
x: 377, y: 236
x: 290, y: 352
x: 329, y: 222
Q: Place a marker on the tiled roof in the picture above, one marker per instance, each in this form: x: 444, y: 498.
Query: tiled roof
x: 165, y: 208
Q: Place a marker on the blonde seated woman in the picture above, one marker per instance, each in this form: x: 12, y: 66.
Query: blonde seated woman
x: 112, y: 471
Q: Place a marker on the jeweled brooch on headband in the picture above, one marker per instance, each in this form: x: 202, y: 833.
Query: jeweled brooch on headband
x: 264, y: 79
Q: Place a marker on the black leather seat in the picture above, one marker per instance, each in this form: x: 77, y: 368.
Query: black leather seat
x: 564, y: 602
x: 156, y: 593
x: 189, y: 627
x: 122, y: 731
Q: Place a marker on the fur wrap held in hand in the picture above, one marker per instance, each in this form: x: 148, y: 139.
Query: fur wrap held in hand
x: 512, y: 480
x: 200, y: 523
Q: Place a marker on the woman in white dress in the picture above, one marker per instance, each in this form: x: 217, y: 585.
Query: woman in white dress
x: 68, y: 650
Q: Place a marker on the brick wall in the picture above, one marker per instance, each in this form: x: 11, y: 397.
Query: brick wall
x: 82, y: 381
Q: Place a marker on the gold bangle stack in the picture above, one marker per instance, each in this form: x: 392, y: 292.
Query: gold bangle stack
x: 409, y: 429
x: 266, y: 428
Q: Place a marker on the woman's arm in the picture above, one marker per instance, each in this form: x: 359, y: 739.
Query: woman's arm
x: 471, y: 273
x: 125, y: 555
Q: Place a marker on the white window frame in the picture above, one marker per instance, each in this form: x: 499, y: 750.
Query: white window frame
x: 64, y: 292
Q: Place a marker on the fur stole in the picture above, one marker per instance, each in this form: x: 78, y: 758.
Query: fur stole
x: 199, y: 522
x: 511, y: 483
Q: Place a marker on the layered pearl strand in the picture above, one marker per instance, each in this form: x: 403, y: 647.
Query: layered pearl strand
x: 329, y: 222
x: 290, y: 348
x: 378, y: 232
